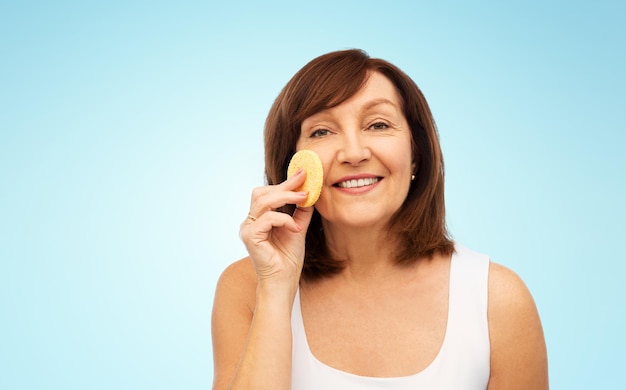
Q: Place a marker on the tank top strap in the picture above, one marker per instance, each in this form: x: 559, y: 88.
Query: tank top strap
x: 467, y: 347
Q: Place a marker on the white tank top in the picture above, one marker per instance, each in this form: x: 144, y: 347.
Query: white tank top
x: 462, y: 362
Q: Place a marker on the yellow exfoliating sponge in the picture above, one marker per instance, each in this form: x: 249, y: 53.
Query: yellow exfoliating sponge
x: 312, y: 164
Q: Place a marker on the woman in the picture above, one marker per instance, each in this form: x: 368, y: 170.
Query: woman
x: 365, y: 290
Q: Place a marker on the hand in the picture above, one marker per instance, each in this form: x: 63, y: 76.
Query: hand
x: 275, y: 240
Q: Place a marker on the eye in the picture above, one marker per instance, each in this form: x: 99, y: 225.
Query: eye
x: 319, y: 133
x: 379, y: 126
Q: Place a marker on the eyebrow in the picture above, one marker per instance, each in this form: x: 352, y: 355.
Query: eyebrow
x: 368, y: 106
x: 377, y: 102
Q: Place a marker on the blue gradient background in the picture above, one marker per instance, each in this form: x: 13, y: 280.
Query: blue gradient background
x: 131, y: 137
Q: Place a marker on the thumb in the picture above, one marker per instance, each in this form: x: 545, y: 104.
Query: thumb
x: 302, y: 216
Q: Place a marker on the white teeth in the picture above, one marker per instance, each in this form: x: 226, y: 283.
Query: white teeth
x: 358, y: 182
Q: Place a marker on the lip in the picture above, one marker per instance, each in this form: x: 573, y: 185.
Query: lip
x: 357, y: 190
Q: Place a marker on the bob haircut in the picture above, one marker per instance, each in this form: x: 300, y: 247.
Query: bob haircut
x: 418, y: 227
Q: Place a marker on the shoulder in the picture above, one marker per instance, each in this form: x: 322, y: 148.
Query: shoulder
x: 515, y: 333
x: 237, y: 286
x: 240, y: 271
x: 506, y: 287
x: 510, y: 301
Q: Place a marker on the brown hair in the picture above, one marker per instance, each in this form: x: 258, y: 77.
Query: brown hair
x: 419, y: 226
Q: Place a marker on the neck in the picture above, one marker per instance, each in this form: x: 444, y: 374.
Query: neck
x: 367, y: 253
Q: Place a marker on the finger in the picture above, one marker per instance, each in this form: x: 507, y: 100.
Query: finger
x: 302, y: 217
x: 295, y: 181
x: 274, y: 201
x: 259, y: 231
x: 273, y: 197
x: 290, y: 184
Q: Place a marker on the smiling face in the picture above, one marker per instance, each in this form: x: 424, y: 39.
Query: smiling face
x: 365, y: 146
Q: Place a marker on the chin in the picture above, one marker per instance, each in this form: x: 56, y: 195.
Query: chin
x: 362, y: 222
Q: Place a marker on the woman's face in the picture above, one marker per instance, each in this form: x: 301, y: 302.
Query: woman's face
x: 365, y: 147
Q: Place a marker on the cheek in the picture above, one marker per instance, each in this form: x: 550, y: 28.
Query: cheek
x: 408, y: 156
x: 400, y: 158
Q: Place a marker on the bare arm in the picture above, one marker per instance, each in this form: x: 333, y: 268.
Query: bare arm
x: 251, y: 324
x: 233, y: 308
x: 518, y: 349
x: 251, y: 333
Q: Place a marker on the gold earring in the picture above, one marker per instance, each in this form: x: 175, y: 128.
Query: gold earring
x: 412, y: 177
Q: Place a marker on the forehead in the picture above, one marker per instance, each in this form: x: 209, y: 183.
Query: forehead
x: 376, y: 91
x: 376, y: 87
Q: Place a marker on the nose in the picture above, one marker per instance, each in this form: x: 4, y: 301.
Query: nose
x: 354, y: 149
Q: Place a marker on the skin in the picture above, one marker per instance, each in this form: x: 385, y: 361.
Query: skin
x: 372, y: 317
x: 365, y: 137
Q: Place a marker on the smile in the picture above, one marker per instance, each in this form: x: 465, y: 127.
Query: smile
x: 355, y: 183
